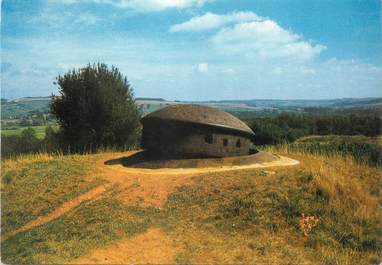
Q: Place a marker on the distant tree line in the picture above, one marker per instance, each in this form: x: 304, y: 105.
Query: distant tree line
x: 28, y: 143
x: 284, y: 128
x: 288, y: 127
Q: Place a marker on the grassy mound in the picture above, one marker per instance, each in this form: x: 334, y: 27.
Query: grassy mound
x: 247, y: 216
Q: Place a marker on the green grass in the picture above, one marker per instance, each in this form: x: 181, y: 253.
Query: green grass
x: 16, y: 130
x: 33, y: 188
x: 247, y: 216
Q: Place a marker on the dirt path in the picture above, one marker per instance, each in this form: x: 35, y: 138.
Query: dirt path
x: 146, y: 187
x: 65, y: 207
x: 151, y: 247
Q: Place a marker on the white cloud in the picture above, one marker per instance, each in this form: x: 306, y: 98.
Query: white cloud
x: 145, y: 62
x: 211, y: 21
x: 336, y: 65
x: 203, y: 67
x: 265, y: 39
x: 145, y: 5
x: 252, y: 36
x: 159, y: 5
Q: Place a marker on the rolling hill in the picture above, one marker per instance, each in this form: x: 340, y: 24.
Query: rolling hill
x: 15, y: 109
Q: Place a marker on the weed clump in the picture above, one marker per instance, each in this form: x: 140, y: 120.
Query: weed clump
x: 307, y: 223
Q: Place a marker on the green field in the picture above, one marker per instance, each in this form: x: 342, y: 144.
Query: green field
x: 16, y: 130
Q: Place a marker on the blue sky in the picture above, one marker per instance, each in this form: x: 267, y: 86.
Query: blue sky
x: 198, y: 49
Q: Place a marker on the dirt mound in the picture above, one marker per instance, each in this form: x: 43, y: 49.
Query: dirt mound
x: 145, y: 160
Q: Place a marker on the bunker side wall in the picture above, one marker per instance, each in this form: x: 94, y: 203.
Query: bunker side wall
x: 186, y: 141
x: 222, y: 145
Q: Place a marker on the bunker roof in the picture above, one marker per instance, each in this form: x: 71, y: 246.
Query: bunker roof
x: 203, y: 115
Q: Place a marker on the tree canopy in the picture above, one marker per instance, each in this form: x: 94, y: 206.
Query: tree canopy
x: 95, y: 108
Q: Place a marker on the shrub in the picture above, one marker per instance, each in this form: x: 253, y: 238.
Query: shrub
x: 96, y: 109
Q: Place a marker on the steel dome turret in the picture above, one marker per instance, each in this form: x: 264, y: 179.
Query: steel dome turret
x: 202, y: 115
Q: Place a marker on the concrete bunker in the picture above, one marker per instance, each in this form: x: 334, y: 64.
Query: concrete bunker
x: 188, y: 130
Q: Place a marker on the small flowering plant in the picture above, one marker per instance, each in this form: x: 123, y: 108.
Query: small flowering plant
x: 307, y: 223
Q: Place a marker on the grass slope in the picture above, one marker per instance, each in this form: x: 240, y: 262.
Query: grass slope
x: 254, y: 216
x: 248, y: 216
x: 35, y: 185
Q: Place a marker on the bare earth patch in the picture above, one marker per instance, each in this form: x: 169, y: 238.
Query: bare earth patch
x: 151, y: 247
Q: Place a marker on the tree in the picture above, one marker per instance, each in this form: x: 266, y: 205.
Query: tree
x: 96, y: 109
x: 29, y: 143
x: 51, y: 141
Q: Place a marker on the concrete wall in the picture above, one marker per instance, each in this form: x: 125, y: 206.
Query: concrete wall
x: 196, y: 144
x: 186, y: 141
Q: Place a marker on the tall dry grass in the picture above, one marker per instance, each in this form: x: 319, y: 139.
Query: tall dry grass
x: 363, y: 151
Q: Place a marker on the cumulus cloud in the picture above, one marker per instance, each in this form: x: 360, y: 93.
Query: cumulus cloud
x: 211, y: 21
x: 323, y: 79
x: 265, y: 39
x: 251, y: 35
x: 203, y: 67
x: 145, y: 5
